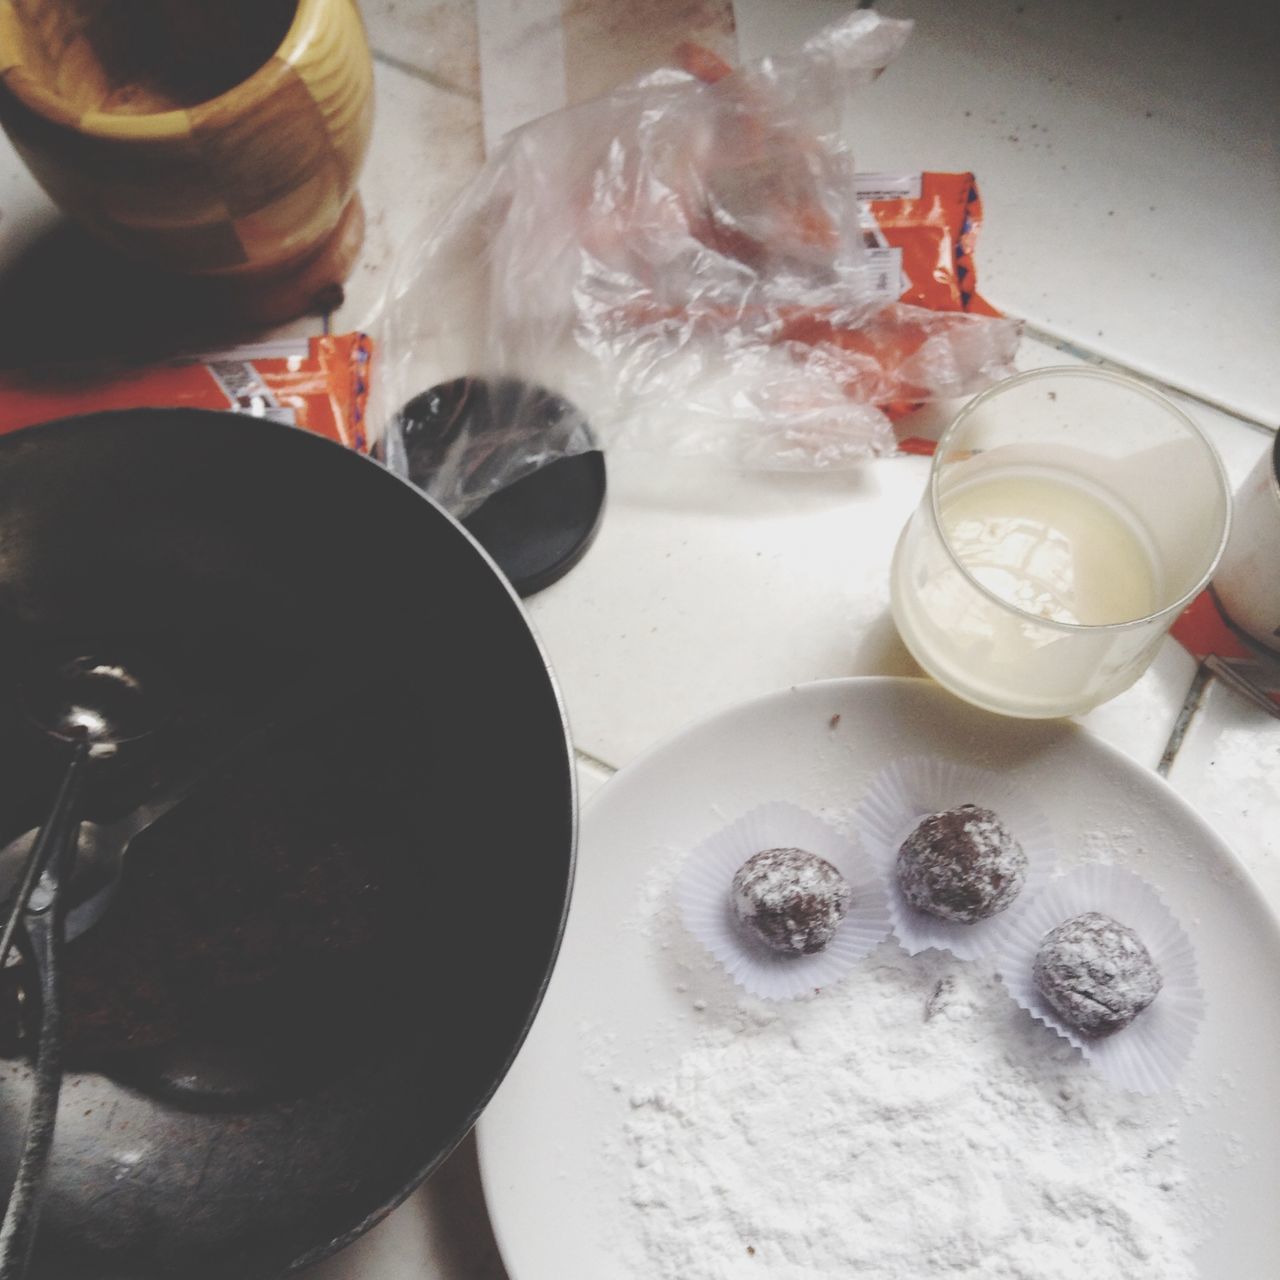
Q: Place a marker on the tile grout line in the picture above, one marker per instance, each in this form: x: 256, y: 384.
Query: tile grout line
x: 585, y: 757
x: 422, y: 74
x: 1190, y: 705
x: 1088, y: 354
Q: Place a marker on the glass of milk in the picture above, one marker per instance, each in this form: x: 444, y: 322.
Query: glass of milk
x: 1070, y: 516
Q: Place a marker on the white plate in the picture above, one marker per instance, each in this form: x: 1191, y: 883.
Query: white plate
x: 614, y: 1007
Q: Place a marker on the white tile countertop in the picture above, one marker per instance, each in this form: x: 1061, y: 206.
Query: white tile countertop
x: 1127, y: 158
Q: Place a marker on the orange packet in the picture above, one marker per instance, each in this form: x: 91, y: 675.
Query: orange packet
x: 1204, y: 632
x: 320, y: 384
x: 921, y: 230
x: 921, y: 227
x: 925, y: 225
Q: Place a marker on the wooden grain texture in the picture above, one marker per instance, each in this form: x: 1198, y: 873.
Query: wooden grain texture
x: 121, y: 133
x: 145, y: 57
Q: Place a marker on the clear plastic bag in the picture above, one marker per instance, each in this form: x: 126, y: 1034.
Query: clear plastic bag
x: 683, y: 262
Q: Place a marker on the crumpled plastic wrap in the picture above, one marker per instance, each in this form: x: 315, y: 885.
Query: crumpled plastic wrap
x: 682, y: 260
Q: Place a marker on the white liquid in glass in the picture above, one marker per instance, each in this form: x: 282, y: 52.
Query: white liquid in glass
x: 1056, y: 548
x: 1051, y: 547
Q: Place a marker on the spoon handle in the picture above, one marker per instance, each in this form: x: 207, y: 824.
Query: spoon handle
x: 65, y: 802
x: 43, y: 923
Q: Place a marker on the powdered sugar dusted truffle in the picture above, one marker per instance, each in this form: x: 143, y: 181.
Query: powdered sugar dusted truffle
x: 790, y: 900
x: 1096, y: 973
x: 962, y: 865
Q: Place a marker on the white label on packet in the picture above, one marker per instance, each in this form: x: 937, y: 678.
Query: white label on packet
x: 884, y: 274
x: 242, y: 385
x: 887, y: 186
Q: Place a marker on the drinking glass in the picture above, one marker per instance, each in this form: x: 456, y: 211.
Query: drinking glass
x: 1071, y: 513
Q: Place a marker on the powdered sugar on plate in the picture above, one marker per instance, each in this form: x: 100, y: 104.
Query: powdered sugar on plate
x: 909, y: 1124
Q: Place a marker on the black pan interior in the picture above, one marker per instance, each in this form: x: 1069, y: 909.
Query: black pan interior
x: 315, y: 972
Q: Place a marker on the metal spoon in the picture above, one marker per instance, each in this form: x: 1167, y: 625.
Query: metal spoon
x: 112, y: 704
x: 94, y: 707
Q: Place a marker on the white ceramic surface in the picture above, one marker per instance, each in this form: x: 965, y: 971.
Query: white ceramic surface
x: 617, y: 989
x: 522, y: 67
x: 1229, y: 769
x: 436, y: 40
x: 591, y: 777
x: 427, y: 144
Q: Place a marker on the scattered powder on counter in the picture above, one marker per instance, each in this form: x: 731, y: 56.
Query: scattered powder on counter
x: 910, y: 1123
x: 1243, y: 813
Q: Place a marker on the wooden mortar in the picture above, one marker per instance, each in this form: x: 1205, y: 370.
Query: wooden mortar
x: 215, y: 140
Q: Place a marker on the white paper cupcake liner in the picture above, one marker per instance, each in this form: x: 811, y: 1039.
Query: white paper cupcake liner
x: 912, y: 788
x: 1147, y: 1055
x: 704, y: 898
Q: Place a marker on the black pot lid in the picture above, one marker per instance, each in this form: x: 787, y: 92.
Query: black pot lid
x: 538, y: 527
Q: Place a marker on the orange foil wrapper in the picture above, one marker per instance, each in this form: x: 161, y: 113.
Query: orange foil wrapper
x: 928, y: 232
x: 319, y: 384
x: 1203, y: 630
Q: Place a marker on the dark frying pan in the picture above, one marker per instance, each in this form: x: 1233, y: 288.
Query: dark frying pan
x: 314, y: 971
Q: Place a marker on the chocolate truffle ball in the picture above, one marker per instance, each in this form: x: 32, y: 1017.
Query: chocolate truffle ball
x: 790, y: 900
x: 1096, y: 974
x: 961, y: 865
